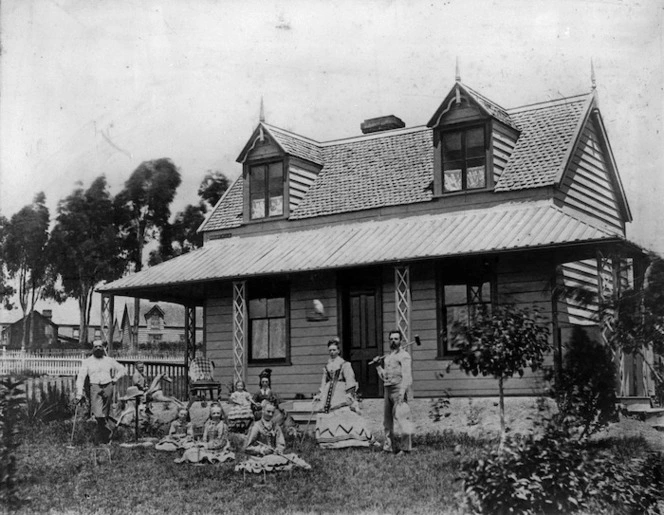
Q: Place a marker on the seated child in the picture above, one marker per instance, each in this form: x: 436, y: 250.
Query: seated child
x: 214, y: 447
x: 180, y: 435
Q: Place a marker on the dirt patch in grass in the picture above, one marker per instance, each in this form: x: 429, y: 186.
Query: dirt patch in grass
x: 477, y: 417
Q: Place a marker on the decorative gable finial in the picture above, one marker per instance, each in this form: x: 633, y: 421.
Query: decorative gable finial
x: 261, y: 116
x: 592, y: 75
x: 457, y: 76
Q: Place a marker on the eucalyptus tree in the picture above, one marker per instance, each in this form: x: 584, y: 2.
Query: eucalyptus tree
x: 24, y: 253
x: 181, y: 236
x: 213, y: 186
x: 142, y: 209
x: 85, y: 247
x: 6, y: 289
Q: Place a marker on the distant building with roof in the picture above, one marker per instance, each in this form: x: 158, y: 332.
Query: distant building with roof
x: 408, y: 227
x: 162, y: 325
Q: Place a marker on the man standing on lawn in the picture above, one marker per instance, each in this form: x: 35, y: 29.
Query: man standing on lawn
x: 103, y: 372
x: 397, y: 377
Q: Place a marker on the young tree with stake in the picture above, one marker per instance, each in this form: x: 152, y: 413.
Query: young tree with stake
x: 501, y: 344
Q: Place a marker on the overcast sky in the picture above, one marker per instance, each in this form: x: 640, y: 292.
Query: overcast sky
x: 97, y: 87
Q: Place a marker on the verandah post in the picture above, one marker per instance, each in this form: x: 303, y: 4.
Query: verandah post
x: 107, y: 325
x: 402, y: 300
x: 239, y: 330
x: 608, y: 288
x: 190, y: 339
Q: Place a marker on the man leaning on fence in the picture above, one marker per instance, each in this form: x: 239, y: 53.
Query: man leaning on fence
x: 103, y: 372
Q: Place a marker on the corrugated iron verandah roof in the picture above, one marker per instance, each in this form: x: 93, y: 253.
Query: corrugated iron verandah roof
x: 512, y: 227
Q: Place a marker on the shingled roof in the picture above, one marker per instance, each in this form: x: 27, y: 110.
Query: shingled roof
x: 386, y: 169
x: 548, y: 131
x: 296, y: 145
x: 490, y: 106
x: 396, y: 167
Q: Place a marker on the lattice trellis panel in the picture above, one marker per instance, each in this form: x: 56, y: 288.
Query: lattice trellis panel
x: 239, y: 329
x: 608, y: 284
x: 107, y: 325
x: 190, y: 332
x: 402, y: 300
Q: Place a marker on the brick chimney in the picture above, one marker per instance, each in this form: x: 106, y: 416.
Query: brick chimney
x: 47, y: 313
x: 382, y: 123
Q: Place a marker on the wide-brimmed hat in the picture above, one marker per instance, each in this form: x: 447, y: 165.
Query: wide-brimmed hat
x: 131, y: 393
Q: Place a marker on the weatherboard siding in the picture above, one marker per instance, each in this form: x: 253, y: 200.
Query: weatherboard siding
x: 523, y: 283
x: 587, y: 186
x: 526, y: 284
x: 503, y: 142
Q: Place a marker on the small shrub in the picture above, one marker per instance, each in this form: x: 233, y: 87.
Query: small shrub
x: 474, y: 415
x: 53, y: 405
x: 554, y: 472
x: 12, y: 398
x: 585, y: 388
x: 439, y: 408
x: 533, y: 474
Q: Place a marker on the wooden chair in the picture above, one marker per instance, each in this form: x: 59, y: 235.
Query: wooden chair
x: 201, y: 381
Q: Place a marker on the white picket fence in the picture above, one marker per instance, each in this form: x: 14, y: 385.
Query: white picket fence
x: 16, y: 362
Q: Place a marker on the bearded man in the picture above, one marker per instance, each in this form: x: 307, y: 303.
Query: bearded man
x: 397, y: 377
x: 103, y: 373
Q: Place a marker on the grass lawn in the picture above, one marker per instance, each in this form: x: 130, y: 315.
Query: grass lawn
x: 143, y: 480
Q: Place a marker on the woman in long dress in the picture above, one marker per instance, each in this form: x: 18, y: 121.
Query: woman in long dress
x: 339, y: 423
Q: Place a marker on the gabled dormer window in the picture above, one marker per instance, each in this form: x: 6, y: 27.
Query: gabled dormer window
x: 266, y: 190
x: 464, y: 159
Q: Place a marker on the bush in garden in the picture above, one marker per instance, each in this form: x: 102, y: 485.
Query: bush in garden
x: 53, y: 405
x: 11, y: 401
x: 532, y: 474
x: 440, y: 408
x: 584, y: 389
x: 555, y: 472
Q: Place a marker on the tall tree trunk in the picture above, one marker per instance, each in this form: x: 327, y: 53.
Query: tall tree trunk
x: 31, y: 341
x: 503, y: 432
x: 137, y: 301
x: 88, y: 310
x: 24, y: 333
x: 82, y: 328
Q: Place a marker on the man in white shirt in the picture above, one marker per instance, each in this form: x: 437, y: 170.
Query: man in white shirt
x: 103, y: 373
x: 397, y: 377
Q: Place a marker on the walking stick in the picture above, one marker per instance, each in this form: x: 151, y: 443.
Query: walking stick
x: 71, y: 440
x: 313, y: 408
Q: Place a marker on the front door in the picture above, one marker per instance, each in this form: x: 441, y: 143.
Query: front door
x: 362, y: 327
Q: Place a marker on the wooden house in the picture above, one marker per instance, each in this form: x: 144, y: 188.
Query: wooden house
x: 159, y: 324
x: 410, y: 228
x: 40, y: 326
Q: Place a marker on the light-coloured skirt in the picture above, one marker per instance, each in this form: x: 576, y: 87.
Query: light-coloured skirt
x: 342, y: 428
x: 199, y: 454
x: 174, y: 443
x: 272, y: 463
